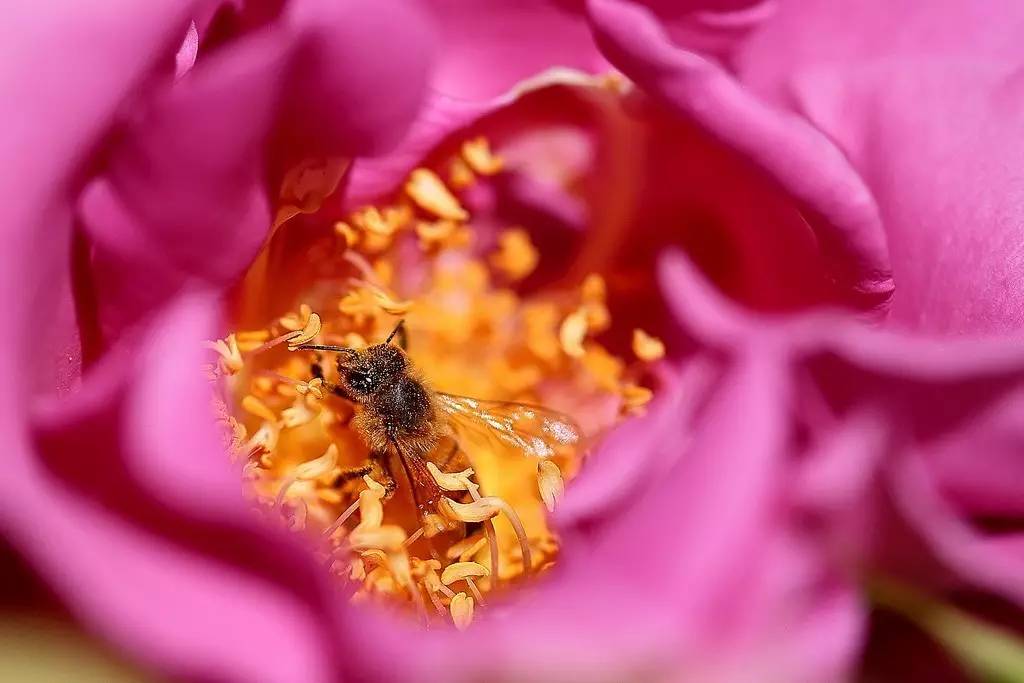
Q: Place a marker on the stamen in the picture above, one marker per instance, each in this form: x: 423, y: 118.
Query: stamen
x: 477, y: 154
x: 452, y: 481
x: 517, y: 526
x: 572, y: 333
x: 431, y: 195
x: 635, y: 397
x: 461, y: 608
x: 347, y: 233
x: 479, y: 510
x: 388, y: 538
x: 258, y: 408
x: 298, y: 415
x: 308, y: 332
x: 314, y: 469
x: 549, y: 481
x: 646, y: 347
x: 476, y: 591
x: 342, y: 518
x: 230, y: 355
x: 516, y: 255
x: 313, y: 387
x: 460, y: 175
x: 460, y: 571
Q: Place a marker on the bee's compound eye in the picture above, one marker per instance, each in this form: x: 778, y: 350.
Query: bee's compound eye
x: 359, y: 381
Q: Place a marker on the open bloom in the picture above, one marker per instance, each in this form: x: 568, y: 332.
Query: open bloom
x: 588, y: 241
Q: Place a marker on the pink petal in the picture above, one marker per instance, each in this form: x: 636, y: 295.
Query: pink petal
x: 144, y: 532
x: 805, y: 163
x: 945, y: 179
x: 489, y: 47
x: 187, y: 193
x: 924, y: 105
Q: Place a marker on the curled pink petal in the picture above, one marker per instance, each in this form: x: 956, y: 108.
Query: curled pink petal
x: 803, y: 162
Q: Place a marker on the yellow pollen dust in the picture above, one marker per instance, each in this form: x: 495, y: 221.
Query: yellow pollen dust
x: 305, y: 459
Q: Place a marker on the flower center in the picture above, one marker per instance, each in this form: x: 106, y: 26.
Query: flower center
x: 442, y: 523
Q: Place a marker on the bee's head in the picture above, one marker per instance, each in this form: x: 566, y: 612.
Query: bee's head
x: 364, y: 371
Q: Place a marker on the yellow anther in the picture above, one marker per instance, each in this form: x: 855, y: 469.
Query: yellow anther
x: 295, y: 322
x: 462, y: 570
x: 477, y: 511
x: 593, y: 289
x: 357, y: 570
x: 549, y: 481
x: 389, y: 304
x: 359, y: 304
x: 253, y: 405
x: 298, y: 415
x: 347, y: 233
x: 309, y: 330
x: 572, y: 333
x: 441, y: 233
x: 373, y: 220
x: 371, y: 511
x: 541, y: 322
x: 635, y: 397
x: 477, y: 153
x: 452, y: 481
x: 388, y: 538
x: 431, y: 195
x: 605, y: 368
x: 461, y: 608
x: 398, y: 563
x: 647, y: 347
x: 460, y: 175
x: 314, y: 387
x: 314, y: 469
x: 516, y: 255
x: 230, y: 356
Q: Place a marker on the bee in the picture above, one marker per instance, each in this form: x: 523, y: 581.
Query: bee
x: 399, y: 415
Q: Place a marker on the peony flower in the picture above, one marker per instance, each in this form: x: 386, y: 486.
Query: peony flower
x: 700, y: 256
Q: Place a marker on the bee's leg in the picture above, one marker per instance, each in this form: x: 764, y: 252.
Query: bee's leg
x: 353, y: 473
x: 382, y: 471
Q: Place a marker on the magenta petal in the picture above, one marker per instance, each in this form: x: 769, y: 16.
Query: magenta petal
x: 179, y: 572
x: 810, y: 33
x: 189, y: 615
x: 626, y: 457
x: 993, y: 561
x: 359, y: 75
x: 373, y: 177
x: 926, y: 106
x: 804, y: 162
x: 945, y: 180
x: 491, y: 46
x: 59, y: 100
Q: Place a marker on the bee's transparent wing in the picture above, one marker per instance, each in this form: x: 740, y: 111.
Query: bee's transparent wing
x: 533, y: 430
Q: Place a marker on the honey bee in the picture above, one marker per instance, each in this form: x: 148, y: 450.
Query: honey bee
x: 400, y: 415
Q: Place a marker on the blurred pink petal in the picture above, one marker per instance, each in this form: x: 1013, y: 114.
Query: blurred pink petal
x: 129, y: 514
x: 189, y: 182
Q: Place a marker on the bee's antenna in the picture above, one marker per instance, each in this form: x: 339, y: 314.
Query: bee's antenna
x: 320, y: 347
x: 398, y: 327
